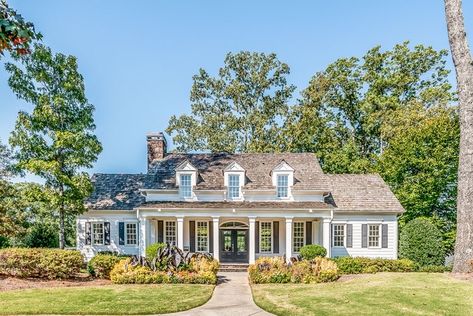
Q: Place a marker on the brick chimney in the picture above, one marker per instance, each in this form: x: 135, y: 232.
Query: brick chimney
x: 157, y: 147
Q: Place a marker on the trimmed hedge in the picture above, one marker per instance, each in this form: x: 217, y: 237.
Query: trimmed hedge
x: 422, y: 243
x: 356, y: 265
x: 101, y: 265
x: 40, y: 262
x: 309, y: 252
x: 276, y: 270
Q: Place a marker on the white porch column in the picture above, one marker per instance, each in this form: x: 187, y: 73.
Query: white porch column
x: 252, y: 248
x: 143, y: 235
x: 326, y: 236
x: 180, y: 232
x: 288, y: 238
x: 216, y: 237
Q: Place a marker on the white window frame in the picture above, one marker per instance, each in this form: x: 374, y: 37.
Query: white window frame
x: 126, y: 233
x: 303, y: 235
x: 379, y: 235
x: 287, y: 186
x: 181, y: 187
x: 92, y: 242
x: 230, y: 175
x: 165, y: 232
x: 197, y: 236
x: 260, y: 235
x: 344, y: 235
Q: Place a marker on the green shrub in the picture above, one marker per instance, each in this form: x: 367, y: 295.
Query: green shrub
x: 422, y: 243
x: 309, y: 252
x: 40, y: 263
x: 356, y: 265
x: 101, y: 265
x: 124, y: 273
x: 433, y: 269
x: 152, y: 249
x: 41, y: 235
x: 275, y: 270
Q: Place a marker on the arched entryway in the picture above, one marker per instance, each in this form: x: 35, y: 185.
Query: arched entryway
x: 234, y: 242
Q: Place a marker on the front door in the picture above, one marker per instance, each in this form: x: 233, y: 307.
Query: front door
x: 233, y: 245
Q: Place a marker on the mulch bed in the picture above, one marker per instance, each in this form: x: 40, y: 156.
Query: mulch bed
x: 10, y: 283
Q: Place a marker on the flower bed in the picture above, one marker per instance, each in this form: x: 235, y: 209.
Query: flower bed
x: 276, y: 270
x: 40, y: 263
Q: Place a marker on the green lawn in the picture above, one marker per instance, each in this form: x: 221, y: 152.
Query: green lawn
x: 109, y: 299
x: 377, y: 294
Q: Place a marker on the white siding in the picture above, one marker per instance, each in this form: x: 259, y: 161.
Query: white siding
x: 357, y: 251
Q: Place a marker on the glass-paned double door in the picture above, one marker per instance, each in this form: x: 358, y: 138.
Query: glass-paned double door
x: 233, y: 245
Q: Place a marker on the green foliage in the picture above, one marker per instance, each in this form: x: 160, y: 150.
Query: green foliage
x: 40, y: 263
x: 101, y: 265
x: 202, y: 272
x: 152, y: 250
x: 276, y: 270
x: 422, y: 243
x: 42, y: 235
x: 239, y: 110
x: 309, y: 252
x: 16, y: 34
x: 434, y: 269
x: 55, y: 141
x: 356, y: 265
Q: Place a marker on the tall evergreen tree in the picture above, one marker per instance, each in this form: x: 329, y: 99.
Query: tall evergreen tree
x: 56, y: 140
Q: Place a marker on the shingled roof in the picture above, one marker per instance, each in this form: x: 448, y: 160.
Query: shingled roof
x: 347, y: 192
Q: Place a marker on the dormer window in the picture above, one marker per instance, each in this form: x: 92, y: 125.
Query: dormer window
x: 186, y: 185
x: 234, y: 186
x: 282, y: 185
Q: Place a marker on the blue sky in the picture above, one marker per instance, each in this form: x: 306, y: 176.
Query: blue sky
x: 138, y: 57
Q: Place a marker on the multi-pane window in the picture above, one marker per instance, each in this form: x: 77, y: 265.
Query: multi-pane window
x: 202, y: 236
x: 131, y: 234
x: 373, y: 235
x: 186, y: 185
x: 266, y: 231
x: 298, y: 236
x: 234, y: 186
x: 282, y: 185
x: 170, y: 232
x: 97, y: 233
x: 338, y: 235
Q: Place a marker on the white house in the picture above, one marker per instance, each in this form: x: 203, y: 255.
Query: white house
x: 239, y: 207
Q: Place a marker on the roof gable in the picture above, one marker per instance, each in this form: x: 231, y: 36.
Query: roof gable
x: 186, y: 166
x: 234, y: 166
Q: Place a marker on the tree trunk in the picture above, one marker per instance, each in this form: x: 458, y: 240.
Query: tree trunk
x: 464, y: 72
x: 62, y: 233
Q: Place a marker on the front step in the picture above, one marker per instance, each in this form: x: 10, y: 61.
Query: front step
x: 233, y: 267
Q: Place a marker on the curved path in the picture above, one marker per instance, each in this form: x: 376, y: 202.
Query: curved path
x: 232, y: 296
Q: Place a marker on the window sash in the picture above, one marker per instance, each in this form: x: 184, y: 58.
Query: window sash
x: 170, y: 232
x: 131, y: 234
x: 98, y: 234
x: 298, y: 236
x: 202, y: 236
x: 374, y: 233
x: 186, y: 185
x: 282, y: 185
x: 266, y: 237
x: 234, y: 185
x: 339, y: 235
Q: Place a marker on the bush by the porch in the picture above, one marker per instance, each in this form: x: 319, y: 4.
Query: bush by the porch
x: 276, y: 270
x: 356, y: 265
x: 40, y: 262
x: 309, y: 252
x: 421, y: 242
x: 101, y: 265
x: 152, y: 250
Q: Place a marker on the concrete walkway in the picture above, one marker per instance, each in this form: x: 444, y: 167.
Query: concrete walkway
x: 232, y: 296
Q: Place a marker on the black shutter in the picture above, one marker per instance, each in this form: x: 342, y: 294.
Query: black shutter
x: 192, y: 235
x: 121, y: 233
x: 257, y: 237
x: 106, y: 233
x: 308, y: 233
x: 160, y: 231
x: 364, y: 236
x: 384, y: 235
x: 349, y: 235
x: 275, y: 237
x: 88, y: 233
x: 211, y: 237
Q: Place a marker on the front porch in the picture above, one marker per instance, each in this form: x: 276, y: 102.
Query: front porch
x: 237, y: 237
